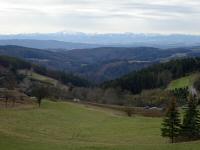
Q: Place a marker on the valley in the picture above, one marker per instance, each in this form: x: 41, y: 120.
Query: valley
x: 98, y: 64
x: 120, y: 106
x: 99, y: 75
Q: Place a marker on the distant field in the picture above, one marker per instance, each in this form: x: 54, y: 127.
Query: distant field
x: 36, y: 76
x: 43, y: 78
x: 39, y: 77
x: 67, y: 126
x: 183, y: 82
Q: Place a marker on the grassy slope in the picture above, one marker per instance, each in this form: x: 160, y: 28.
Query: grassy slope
x: 36, y: 76
x: 43, y: 78
x: 66, y: 126
x: 183, y: 82
x: 39, y: 77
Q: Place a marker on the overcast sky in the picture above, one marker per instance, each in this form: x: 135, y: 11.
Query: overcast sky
x: 102, y: 16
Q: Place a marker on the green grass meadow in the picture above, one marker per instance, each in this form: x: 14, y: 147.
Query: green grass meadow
x: 68, y: 126
x: 36, y: 76
x: 183, y: 82
x: 39, y: 77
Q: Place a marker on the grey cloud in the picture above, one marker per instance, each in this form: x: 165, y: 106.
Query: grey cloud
x: 100, y: 15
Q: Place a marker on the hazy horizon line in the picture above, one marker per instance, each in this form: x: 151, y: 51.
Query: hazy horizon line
x: 99, y: 33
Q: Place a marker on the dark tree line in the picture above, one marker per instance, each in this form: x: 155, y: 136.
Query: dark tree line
x: 65, y: 78
x: 156, y: 76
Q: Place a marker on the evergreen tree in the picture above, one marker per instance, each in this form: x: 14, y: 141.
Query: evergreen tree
x: 171, y: 124
x: 191, y: 121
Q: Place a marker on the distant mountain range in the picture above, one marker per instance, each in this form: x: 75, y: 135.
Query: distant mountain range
x: 99, y: 64
x: 47, y: 44
x: 82, y: 40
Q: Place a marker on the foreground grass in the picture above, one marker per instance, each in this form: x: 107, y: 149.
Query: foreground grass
x: 63, y: 126
x: 183, y: 82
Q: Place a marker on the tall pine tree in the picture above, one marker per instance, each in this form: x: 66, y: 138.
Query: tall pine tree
x: 171, y: 124
x: 191, y: 120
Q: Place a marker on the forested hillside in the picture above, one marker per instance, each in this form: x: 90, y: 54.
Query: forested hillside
x: 21, y: 80
x: 98, y: 64
x: 11, y: 66
x: 156, y: 76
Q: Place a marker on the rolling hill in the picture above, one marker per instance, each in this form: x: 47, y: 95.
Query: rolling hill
x: 158, y: 76
x: 98, y: 64
x: 35, y: 76
x: 19, y: 69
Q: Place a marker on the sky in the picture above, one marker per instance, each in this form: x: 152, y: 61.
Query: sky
x: 100, y: 16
